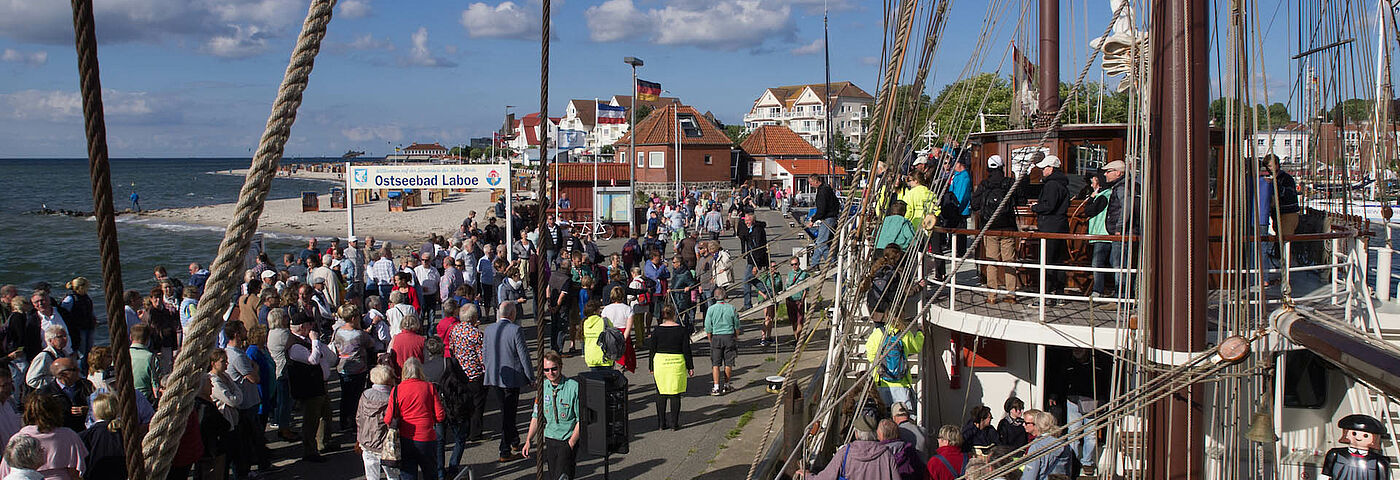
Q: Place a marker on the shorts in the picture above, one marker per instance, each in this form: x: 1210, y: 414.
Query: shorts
x: 724, y: 350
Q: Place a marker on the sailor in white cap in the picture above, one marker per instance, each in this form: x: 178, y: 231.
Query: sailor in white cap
x: 986, y: 199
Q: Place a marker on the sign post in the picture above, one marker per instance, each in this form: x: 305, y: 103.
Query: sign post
x: 429, y: 177
x: 349, y: 205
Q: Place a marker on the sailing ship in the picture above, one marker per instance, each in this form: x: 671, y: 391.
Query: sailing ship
x: 1227, y: 349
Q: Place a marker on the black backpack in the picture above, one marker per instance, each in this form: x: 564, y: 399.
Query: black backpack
x: 991, y: 199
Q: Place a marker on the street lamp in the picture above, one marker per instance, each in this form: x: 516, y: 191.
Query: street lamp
x: 632, y: 149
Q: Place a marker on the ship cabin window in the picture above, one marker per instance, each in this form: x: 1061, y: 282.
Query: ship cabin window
x: 1088, y: 159
x: 1304, y: 379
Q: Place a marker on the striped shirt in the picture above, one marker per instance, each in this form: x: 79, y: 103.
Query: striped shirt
x: 382, y: 271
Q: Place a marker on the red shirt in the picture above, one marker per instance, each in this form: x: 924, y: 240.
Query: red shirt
x: 417, y: 407
x: 407, y: 344
x: 938, y: 471
x: 444, y: 326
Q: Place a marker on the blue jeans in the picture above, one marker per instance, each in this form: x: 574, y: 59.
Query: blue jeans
x: 1122, y: 260
x: 418, y: 457
x: 892, y: 394
x: 1085, y: 447
x: 748, y: 286
x: 824, y: 234
x: 283, y: 413
x: 81, y: 339
x: 1102, y: 253
x: 461, y: 434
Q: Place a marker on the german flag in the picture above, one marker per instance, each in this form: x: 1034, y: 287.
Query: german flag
x: 648, y: 91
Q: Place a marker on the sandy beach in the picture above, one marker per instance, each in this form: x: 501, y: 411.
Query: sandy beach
x: 285, y: 215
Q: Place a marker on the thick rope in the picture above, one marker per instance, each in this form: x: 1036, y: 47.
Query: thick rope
x: 543, y: 185
x: 99, y: 171
x: 227, y: 267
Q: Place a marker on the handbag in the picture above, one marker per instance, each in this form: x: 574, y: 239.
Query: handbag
x: 392, y: 451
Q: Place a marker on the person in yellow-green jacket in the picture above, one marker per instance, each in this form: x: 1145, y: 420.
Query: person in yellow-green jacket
x: 889, y: 356
x: 593, y: 325
x: 918, y: 199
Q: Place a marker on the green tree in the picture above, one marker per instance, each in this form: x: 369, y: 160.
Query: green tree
x: 607, y: 150
x: 1272, y: 116
x: 736, y: 134
x: 455, y: 151
x: 643, y: 111
x: 842, y: 152
x: 1084, y: 105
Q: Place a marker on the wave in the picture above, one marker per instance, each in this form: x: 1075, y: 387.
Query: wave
x: 173, y: 226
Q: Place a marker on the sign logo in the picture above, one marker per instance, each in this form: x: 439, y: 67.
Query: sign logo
x: 361, y: 175
x: 493, y: 178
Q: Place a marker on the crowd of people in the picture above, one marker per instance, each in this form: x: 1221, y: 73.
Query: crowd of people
x: 415, y: 338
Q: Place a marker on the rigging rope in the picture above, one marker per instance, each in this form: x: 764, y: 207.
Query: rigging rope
x: 99, y: 171
x: 227, y: 267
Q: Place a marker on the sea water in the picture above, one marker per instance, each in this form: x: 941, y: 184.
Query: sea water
x: 54, y: 249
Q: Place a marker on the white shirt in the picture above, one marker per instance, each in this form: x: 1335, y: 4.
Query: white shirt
x: 319, y: 354
x: 53, y: 319
x: 428, y: 279
x: 395, y: 317
x: 618, y: 313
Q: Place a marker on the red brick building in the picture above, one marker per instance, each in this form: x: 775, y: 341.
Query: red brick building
x: 781, y: 157
x: 704, y: 159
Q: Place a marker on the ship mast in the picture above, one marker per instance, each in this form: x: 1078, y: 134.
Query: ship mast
x: 1177, y: 214
x: 1049, y: 77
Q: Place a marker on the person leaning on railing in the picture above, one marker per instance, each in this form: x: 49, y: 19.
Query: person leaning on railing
x: 986, y: 199
x: 895, y: 229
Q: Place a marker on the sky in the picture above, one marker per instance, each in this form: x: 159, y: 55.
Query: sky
x: 196, y: 78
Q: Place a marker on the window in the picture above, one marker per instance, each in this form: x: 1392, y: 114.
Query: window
x: 775, y: 110
x: 1261, y: 142
x: 799, y: 109
x: 1287, y: 142
x: 816, y: 109
x: 658, y: 160
x: 806, y: 124
x: 709, y: 161
x: 641, y: 159
x: 689, y: 125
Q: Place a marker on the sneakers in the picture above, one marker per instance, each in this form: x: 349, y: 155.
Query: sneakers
x: 728, y: 387
x: 715, y: 390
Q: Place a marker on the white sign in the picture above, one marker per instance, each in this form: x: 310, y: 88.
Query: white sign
x: 429, y: 176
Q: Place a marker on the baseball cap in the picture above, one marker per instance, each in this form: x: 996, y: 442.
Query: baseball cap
x: 921, y: 160
x: 994, y: 161
x: 1049, y: 161
x: 318, y: 280
x: 1115, y: 165
x: 866, y: 423
x: 353, y: 239
x: 268, y: 274
x: 899, y: 410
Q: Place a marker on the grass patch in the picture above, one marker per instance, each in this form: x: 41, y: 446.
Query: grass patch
x: 743, y: 420
x: 769, y: 359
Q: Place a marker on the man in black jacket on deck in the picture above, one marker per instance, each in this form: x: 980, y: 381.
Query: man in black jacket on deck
x: 824, y: 219
x: 753, y: 243
x: 986, y: 198
x: 1050, y: 217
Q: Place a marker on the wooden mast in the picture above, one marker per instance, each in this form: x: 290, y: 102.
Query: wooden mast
x: 1177, y: 214
x: 1049, y: 77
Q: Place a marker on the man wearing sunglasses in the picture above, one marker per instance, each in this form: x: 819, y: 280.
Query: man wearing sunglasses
x: 72, y: 391
x: 557, y: 413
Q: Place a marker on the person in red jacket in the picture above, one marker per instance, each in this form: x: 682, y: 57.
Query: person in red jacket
x: 414, y: 407
x: 947, y: 463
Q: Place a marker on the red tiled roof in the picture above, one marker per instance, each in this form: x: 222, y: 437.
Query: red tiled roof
x: 777, y: 140
x: 659, y: 129
x: 583, y: 172
x: 799, y: 167
x: 425, y: 146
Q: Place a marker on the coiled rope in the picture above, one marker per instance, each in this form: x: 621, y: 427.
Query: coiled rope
x: 100, y: 173
x: 227, y: 267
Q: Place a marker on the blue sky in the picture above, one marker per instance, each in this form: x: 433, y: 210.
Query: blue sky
x: 196, y: 77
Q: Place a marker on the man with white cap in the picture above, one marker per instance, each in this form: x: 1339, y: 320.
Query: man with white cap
x: 986, y: 199
x: 1116, y: 222
x: 1050, y: 217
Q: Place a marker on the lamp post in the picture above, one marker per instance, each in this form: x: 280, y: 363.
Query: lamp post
x: 632, y: 149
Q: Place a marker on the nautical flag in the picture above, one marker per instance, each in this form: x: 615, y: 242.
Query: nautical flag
x: 610, y: 114
x: 571, y: 138
x: 648, y: 91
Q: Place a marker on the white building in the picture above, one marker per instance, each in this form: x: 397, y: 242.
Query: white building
x: 525, y: 134
x: 1288, y: 142
x: 582, y: 115
x: 802, y: 108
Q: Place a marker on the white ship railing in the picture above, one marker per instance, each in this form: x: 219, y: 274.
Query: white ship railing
x: 1337, y: 265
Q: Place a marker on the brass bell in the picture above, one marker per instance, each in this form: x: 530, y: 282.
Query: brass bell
x: 1261, y: 426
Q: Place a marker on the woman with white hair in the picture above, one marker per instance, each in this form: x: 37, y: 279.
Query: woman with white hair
x: 55, y: 347
x: 1043, y: 426
x: 370, y: 431
x: 24, y: 455
x: 415, y: 409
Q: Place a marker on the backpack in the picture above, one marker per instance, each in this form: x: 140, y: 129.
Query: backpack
x: 991, y: 199
x: 895, y: 365
x: 612, y: 342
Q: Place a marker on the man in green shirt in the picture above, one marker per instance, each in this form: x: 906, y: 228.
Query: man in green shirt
x: 559, y: 410
x: 143, y: 362
x: 722, y: 329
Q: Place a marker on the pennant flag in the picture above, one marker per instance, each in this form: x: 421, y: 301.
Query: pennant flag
x: 648, y: 91
x: 609, y: 114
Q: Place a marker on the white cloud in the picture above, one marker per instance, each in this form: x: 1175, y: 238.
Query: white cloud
x: 28, y: 58
x: 388, y: 133
x: 368, y: 42
x: 236, y: 28
x: 354, y: 8
x: 869, y: 61
x: 421, y: 56
x: 242, y: 42
x: 721, y: 25
x: 64, y: 105
x: 817, y: 46
x: 505, y: 20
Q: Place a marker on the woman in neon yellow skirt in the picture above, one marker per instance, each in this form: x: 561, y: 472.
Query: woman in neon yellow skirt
x: 671, y: 365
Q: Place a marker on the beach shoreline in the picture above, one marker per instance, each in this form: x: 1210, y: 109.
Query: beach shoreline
x: 285, y: 215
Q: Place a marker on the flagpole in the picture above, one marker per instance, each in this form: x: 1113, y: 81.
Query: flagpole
x: 596, y: 216
x: 676, y: 120
x: 632, y: 150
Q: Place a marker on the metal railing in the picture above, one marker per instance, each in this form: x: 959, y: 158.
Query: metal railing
x: 1339, y: 260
